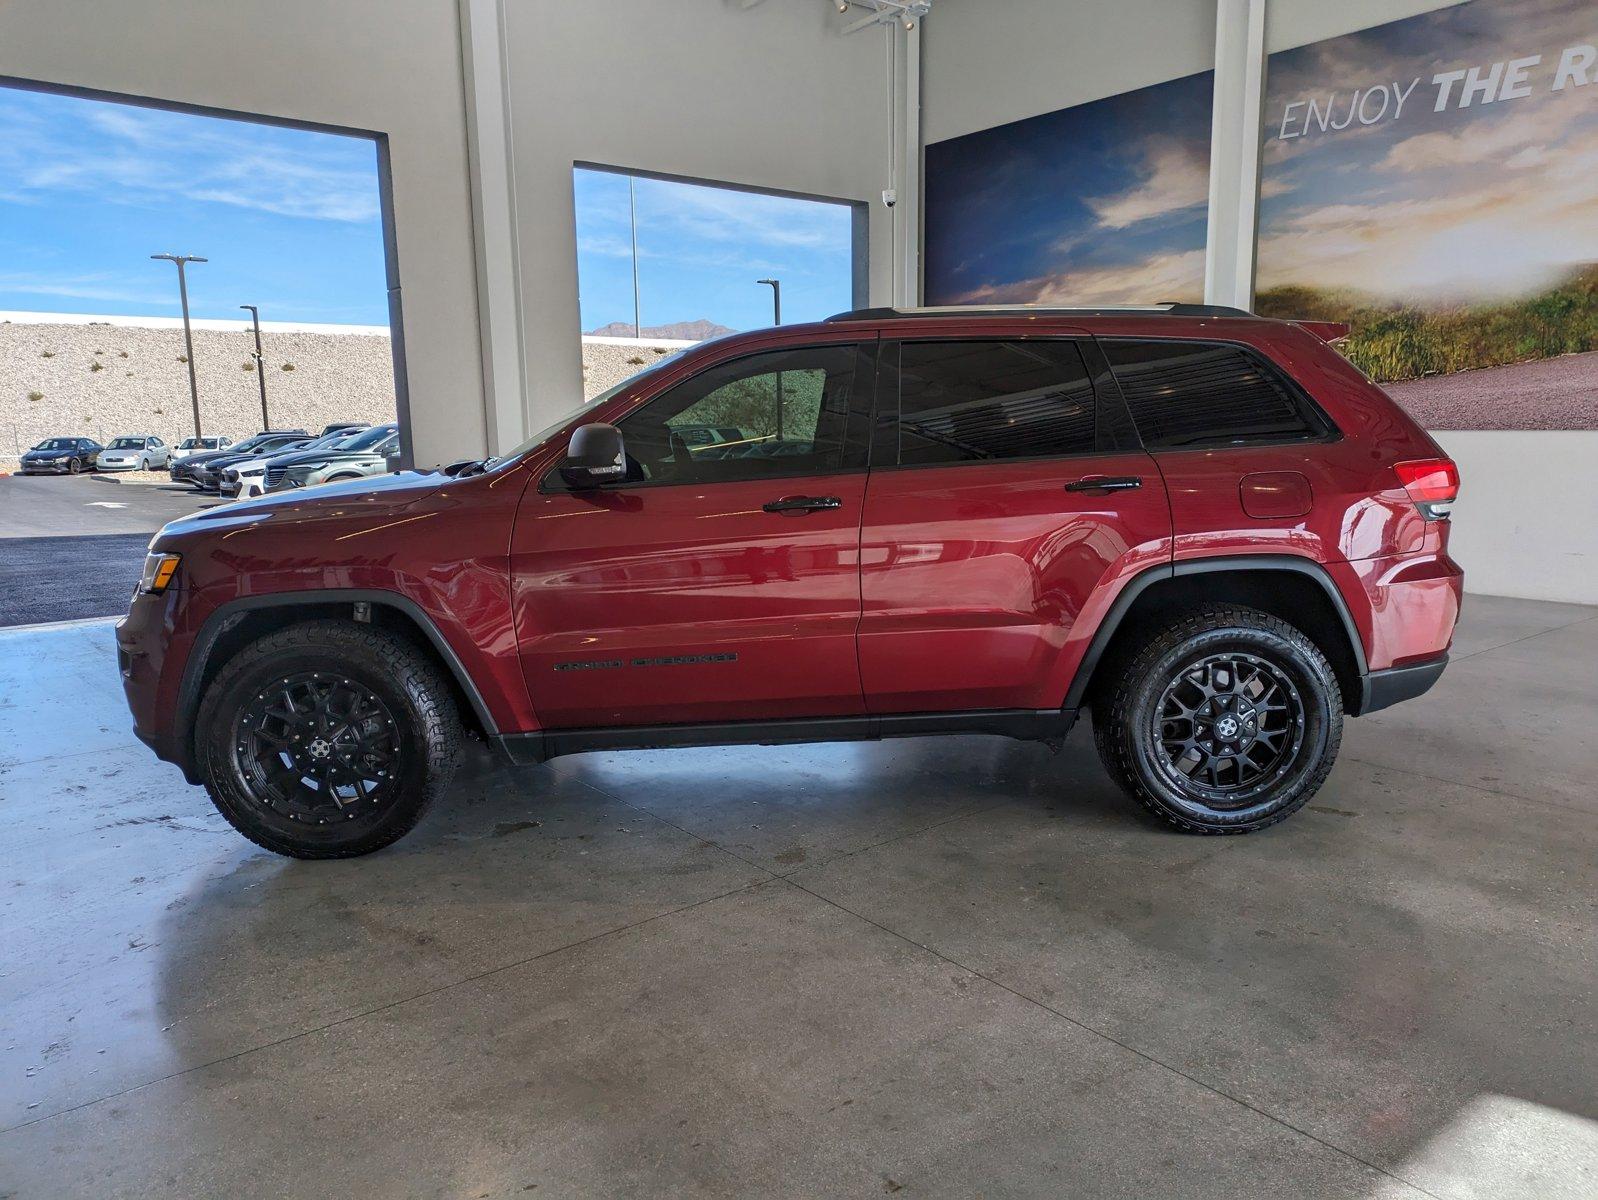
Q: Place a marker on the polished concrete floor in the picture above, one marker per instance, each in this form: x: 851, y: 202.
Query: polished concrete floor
x: 948, y: 967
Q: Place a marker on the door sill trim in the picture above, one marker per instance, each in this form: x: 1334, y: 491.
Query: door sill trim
x: 1024, y: 724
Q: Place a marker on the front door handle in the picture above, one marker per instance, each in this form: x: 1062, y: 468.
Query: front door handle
x: 1105, y: 483
x: 802, y: 504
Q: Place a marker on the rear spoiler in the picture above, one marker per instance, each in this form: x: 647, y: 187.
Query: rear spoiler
x: 1330, y: 332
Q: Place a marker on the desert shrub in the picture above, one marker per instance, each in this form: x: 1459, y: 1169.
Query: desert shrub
x: 48, y: 354
x: 122, y: 353
x: 247, y: 365
x: 288, y: 366
x: 635, y: 361
x: 183, y: 358
x: 97, y: 366
x: 36, y: 396
x: 1403, y: 340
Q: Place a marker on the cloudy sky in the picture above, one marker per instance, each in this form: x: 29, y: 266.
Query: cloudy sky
x: 1488, y: 201
x: 89, y: 190
x: 700, y: 251
x: 1100, y: 203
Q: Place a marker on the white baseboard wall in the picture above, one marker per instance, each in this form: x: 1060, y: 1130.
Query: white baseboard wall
x: 1526, y: 523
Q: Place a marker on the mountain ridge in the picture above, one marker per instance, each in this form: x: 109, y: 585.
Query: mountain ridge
x: 682, y: 331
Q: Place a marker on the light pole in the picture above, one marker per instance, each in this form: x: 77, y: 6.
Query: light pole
x: 776, y: 299
x: 260, y: 366
x: 776, y: 319
x: 632, y: 219
x: 188, y: 337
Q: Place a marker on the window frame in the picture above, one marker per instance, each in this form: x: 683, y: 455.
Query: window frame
x: 1306, y: 405
x: 1107, y: 420
x: 857, y: 421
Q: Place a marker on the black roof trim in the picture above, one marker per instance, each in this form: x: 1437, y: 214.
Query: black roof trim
x: 985, y: 310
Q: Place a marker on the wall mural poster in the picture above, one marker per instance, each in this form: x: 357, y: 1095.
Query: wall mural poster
x: 1101, y: 203
x: 1434, y: 182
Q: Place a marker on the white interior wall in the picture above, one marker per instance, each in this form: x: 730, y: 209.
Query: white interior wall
x: 391, y: 66
x: 987, y: 62
x: 771, y: 97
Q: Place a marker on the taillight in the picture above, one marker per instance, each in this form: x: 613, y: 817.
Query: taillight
x: 1432, y: 483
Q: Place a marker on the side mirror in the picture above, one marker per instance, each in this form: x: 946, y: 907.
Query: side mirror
x: 595, y: 456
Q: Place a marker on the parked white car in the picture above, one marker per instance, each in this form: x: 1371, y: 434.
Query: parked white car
x: 199, y: 445
x: 134, y: 452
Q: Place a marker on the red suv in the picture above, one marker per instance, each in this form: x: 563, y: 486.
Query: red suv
x: 1207, y: 528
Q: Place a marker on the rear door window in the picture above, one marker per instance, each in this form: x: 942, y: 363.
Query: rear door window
x: 1186, y: 395
x: 969, y: 401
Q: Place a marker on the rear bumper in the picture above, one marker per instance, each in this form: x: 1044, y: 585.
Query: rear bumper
x: 1383, y: 689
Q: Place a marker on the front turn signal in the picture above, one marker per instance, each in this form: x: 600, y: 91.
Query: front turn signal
x: 159, y: 571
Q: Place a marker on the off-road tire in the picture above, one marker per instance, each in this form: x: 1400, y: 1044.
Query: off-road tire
x: 406, y: 681
x: 1126, y: 706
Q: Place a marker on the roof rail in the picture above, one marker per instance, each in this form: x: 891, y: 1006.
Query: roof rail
x: 1167, y: 309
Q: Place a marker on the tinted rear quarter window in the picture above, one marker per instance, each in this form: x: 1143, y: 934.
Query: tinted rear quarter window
x: 962, y: 401
x: 1185, y: 395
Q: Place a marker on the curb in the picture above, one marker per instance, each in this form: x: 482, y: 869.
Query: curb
x: 45, y: 626
x: 138, y: 479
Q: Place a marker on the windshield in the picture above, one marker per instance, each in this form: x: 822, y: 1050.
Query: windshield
x: 128, y: 443
x: 55, y: 444
x: 367, y: 438
x: 549, y: 431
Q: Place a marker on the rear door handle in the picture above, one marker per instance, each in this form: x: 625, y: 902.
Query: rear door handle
x: 802, y: 504
x: 1105, y: 483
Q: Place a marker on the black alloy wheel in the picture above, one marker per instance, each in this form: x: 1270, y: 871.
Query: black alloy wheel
x: 74, y: 465
x: 317, y: 748
x: 1222, y: 720
x: 327, y: 739
x: 1229, y: 725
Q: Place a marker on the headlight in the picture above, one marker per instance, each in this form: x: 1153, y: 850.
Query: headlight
x: 159, y: 570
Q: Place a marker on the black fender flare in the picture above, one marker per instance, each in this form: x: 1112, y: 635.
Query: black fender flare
x: 1146, y: 579
x: 226, y: 615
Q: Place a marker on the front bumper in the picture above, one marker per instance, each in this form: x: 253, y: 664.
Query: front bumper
x: 143, y: 641
x: 116, y: 466
x: 38, y: 468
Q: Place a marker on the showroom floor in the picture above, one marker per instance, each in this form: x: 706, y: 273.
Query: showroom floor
x: 947, y: 967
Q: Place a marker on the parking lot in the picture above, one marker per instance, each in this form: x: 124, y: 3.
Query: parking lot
x: 75, y: 543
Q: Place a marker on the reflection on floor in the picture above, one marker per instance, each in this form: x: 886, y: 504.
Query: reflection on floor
x: 951, y: 966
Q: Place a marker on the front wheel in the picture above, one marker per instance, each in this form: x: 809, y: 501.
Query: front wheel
x: 1225, y: 720
x: 74, y: 466
x: 327, y: 739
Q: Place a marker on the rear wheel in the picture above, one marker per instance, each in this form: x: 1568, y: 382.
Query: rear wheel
x: 328, y: 739
x: 1226, y: 720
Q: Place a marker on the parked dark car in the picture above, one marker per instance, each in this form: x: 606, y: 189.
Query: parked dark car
x: 373, y: 451
x: 246, y: 477
x: 61, y: 456
x: 1206, y: 529
x: 192, y: 470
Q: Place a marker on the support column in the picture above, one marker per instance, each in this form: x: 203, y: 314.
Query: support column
x: 494, y: 230
x: 1235, y: 152
x: 907, y: 212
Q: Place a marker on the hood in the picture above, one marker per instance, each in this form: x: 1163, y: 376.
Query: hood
x: 299, y: 458
x: 379, y: 494
x: 48, y: 453
x: 218, y: 462
x: 199, y: 458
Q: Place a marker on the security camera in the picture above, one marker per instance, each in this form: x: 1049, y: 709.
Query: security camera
x: 890, y: 197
